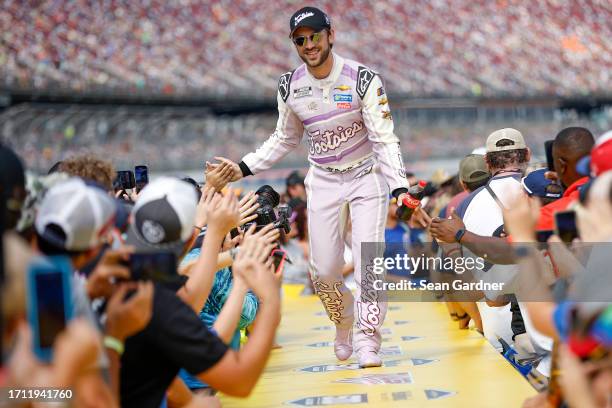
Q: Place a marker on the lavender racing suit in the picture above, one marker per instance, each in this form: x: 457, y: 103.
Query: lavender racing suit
x: 355, y: 158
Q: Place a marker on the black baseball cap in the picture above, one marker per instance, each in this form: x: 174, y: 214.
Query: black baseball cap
x: 163, y: 216
x: 310, y: 17
x: 294, y: 178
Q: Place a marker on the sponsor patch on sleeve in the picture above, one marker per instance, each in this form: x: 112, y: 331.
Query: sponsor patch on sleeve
x: 283, y: 85
x: 387, y: 115
x: 364, y: 79
x: 380, y: 91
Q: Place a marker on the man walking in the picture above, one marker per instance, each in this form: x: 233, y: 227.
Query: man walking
x: 355, y: 158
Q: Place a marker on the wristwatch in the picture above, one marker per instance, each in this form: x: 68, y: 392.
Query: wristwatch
x: 459, y: 234
x: 522, y: 251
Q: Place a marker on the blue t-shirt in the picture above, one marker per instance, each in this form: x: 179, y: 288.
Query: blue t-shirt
x: 398, y: 238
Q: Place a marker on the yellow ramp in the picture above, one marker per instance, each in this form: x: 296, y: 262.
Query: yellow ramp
x: 428, y: 362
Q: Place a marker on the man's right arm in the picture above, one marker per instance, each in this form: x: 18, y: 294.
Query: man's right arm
x: 288, y: 134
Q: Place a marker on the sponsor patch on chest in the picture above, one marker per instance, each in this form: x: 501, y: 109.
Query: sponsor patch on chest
x: 302, y: 92
x: 343, y: 105
x: 343, y: 97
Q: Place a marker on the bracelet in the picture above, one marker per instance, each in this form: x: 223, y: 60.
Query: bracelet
x: 198, y: 228
x: 114, y: 344
x: 459, y: 234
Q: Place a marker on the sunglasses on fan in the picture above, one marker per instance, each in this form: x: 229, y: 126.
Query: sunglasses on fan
x: 300, y: 41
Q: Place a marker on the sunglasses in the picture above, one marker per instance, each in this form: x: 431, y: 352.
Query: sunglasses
x: 301, y: 40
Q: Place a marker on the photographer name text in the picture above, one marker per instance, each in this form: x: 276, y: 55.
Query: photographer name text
x: 455, y: 285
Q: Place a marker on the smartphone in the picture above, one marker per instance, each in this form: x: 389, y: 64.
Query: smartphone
x: 542, y: 236
x: 548, y: 148
x: 125, y: 179
x: 49, y: 302
x: 141, y: 176
x: 160, y: 267
x: 279, y: 257
x: 565, y: 226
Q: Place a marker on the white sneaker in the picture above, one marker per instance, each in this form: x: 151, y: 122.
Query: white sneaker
x: 368, y: 357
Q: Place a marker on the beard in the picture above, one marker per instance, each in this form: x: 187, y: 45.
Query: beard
x: 324, y: 54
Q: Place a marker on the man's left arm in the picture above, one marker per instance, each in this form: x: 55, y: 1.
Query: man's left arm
x: 386, y: 145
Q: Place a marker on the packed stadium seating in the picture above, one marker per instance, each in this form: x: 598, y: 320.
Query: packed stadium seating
x: 422, y: 47
x: 180, y: 139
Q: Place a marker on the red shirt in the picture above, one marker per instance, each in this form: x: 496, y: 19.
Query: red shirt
x: 547, y: 213
x: 455, y: 201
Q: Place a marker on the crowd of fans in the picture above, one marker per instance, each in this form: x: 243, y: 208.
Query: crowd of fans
x: 146, y: 331
x: 543, y: 232
x: 424, y: 48
x: 174, y: 339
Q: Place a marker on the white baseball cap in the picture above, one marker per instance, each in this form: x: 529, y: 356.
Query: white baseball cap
x: 480, y: 150
x: 74, y: 215
x: 163, y: 216
x: 505, y: 139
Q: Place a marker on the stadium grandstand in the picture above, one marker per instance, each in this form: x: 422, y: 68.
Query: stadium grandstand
x: 226, y: 56
x: 167, y: 137
x: 431, y: 48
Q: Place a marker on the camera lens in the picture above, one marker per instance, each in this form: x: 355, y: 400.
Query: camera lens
x: 267, y: 196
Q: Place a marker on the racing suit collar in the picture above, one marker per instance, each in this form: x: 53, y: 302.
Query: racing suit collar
x: 333, y: 75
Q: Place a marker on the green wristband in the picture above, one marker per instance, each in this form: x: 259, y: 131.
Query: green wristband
x: 114, y: 344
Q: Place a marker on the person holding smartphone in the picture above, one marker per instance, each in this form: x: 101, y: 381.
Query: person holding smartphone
x: 74, y: 220
x: 73, y: 347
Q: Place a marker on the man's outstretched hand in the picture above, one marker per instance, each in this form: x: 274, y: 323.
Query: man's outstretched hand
x: 227, y: 169
x: 445, y: 229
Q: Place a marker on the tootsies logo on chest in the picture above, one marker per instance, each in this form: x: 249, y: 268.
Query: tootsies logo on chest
x: 330, y: 140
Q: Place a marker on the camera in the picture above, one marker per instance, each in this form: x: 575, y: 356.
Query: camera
x: 268, y: 200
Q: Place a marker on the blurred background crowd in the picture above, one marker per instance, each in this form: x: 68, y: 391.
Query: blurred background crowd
x: 438, y: 48
x: 173, y: 52
x: 166, y: 138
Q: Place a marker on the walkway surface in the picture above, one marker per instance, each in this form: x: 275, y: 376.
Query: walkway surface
x: 428, y: 362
